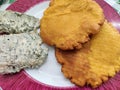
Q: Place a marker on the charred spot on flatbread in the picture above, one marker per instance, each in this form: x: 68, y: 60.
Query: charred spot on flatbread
x: 98, y: 60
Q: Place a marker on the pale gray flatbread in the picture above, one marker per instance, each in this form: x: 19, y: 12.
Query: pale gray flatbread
x: 19, y: 51
x: 14, y: 22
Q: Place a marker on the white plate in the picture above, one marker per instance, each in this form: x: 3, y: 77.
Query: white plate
x: 50, y: 72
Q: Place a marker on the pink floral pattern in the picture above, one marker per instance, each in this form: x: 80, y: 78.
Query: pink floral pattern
x: 23, y: 5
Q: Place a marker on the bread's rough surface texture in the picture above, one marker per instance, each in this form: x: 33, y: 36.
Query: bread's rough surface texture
x: 15, y: 22
x: 67, y: 24
x: 19, y: 51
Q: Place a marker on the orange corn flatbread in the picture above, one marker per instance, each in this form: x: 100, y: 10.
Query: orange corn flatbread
x: 96, y: 61
x: 67, y: 24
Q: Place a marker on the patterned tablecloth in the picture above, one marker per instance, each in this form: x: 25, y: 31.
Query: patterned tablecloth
x: 115, y: 4
x: 6, y: 1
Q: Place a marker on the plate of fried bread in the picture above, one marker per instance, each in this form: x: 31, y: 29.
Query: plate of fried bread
x: 60, y: 45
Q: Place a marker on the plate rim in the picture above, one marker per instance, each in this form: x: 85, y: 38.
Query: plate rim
x: 12, y: 6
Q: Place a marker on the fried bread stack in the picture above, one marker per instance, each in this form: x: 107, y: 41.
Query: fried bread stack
x: 83, y: 39
x: 96, y: 61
